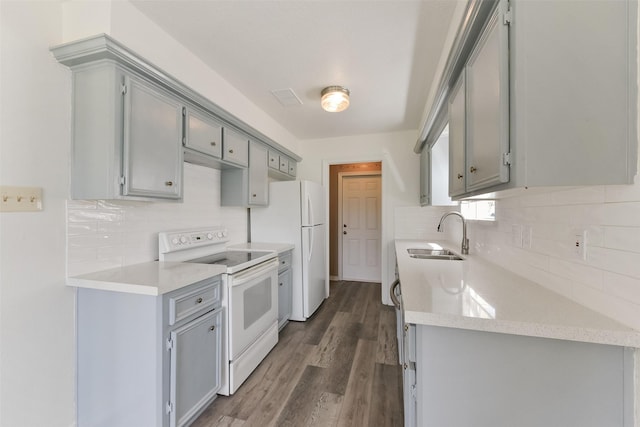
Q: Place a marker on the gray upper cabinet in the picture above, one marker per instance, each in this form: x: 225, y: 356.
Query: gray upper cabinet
x: 247, y: 186
x: 130, y: 138
x: 281, y: 167
x: 546, y: 96
x: 203, y: 133
x: 127, y: 136
x: 152, y: 136
x: 487, y: 107
x: 258, y: 181
x: 425, y: 177
x: 457, y: 132
x: 235, y: 148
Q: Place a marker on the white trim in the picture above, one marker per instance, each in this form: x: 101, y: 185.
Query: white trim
x: 386, y: 243
x: 340, y: 234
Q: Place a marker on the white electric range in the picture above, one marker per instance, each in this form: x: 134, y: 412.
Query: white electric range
x: 250, y: 296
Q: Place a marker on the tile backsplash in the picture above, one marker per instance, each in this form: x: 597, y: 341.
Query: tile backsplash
x: 106, y: 234
x: 607, y: 280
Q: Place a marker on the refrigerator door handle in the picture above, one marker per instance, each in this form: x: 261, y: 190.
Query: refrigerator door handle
x: 311, y: 238
x: 310, y: 210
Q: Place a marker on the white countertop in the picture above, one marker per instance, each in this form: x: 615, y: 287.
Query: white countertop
x: 477, y: 295
x: 263, y: 246
x: 149, y: 278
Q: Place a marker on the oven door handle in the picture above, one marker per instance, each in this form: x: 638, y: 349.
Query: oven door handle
x: 255, y: 272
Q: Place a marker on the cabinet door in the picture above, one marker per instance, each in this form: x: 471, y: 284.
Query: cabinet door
x: 258, y: 171
x: 284, y: 297
x: 284, y: 164
x: 425, y: 177
x: 235, y: 148
x: 487, y: 87
x: 293, y: 167
x: 457, y: 131
x: 152, y: 142
x: 274, y: 159
x: 195, y: 366
x: 203, y: 133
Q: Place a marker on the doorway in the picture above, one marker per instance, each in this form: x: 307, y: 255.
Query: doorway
x: 355, y: 221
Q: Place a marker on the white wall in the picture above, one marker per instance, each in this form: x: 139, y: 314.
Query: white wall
x: 608, y: 281
x: 36, y: 308
x: 400, y: 172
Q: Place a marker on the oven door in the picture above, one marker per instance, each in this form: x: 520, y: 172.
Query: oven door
x: 253, y: 305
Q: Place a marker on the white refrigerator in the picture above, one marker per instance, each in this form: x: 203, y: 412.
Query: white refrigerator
x: 296, y: 215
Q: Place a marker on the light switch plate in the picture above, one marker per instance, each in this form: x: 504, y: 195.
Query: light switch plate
x: 20, y: 199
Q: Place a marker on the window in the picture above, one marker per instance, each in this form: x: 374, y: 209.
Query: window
x: 483, y: 210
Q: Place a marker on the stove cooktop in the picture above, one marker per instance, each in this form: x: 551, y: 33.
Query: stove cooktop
x: 230, y: 258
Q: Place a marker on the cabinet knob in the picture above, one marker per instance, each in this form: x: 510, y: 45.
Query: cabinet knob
x: 254, y: 195
x: 199, y: 300
x: 344, y: 232
x: 405, y: 366
x: 460, y: 176
x: 472, y: 169
x: 168, y: 183
x: 406, y: 328
x: 213, y: 143
x: 280, y: 284
x: 212, y: 328
x: 231, y: 151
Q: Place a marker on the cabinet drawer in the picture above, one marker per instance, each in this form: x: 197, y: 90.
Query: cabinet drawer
x: 235, y: 148
x: 184, y: 305
x: 284, y: 261
x: 274, y: 160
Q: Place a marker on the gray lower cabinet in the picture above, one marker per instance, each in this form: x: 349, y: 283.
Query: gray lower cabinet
x: 473, y: 378
x: 127, y: 136
x: 247, y: 186
x: 284, y: 289
x: 148, y: 360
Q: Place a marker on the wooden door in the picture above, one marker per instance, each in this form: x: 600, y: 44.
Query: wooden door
x: 361, y: 228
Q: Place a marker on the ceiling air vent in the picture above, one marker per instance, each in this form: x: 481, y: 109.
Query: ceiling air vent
x: 287, y: 97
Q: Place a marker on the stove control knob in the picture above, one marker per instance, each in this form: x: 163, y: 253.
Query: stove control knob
x: 224, y: 233
x: 210, y: 236
x: 219, y: 234
x: 183, y: 239
x: 174, y: 240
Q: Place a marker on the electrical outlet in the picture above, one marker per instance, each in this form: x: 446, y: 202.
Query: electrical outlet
x: 580, y: 242
x: 20, y: 199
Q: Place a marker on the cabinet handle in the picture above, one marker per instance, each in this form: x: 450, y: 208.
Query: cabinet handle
x: 472, y: 169
x: 231, y: 151
x: 199, y: 300
x: 405, y: 366
x: 168, y: 183
x: 212, y: 328
x: 406, y: 328
x: 213, y: 143
x: 460, y: 176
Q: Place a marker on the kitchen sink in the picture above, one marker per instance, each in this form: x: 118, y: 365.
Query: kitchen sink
x: 425, y: 253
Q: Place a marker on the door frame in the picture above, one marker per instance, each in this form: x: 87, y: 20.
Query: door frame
x: 341, y: 175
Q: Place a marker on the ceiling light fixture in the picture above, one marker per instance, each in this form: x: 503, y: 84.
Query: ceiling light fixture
x: 335, y: 99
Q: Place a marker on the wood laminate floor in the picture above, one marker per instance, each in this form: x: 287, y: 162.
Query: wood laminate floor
x: 340, y: 368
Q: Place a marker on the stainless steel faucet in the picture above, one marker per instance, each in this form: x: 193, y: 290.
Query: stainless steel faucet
x: 465, y: 241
